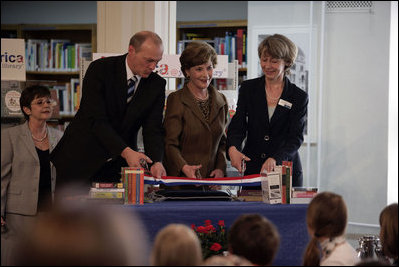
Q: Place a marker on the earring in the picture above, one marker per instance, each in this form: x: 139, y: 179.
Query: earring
x: 188, y: 78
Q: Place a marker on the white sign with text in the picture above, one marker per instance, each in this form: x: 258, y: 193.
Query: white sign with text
x: 13, y: 59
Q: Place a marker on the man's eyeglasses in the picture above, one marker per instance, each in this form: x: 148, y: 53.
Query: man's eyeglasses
x: 41, y: 102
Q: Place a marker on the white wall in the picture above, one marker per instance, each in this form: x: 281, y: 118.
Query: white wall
x: 355, y: 102
x: 211, y: 10
x: 355, y: 111
x: 48, y: 12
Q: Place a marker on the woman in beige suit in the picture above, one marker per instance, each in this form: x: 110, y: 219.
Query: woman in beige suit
x: 196, y: 119
x: 27, y: 176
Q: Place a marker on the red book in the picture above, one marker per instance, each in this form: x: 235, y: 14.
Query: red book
x: 239, y: 48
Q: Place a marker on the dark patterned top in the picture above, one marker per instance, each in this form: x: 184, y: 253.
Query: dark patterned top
x: 205, y: 106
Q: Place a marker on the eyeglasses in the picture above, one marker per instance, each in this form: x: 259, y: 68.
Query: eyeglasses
x: 41, y: 102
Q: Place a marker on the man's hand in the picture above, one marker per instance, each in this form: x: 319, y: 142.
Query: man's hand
x: 236, y: 157
x: 157, y: 170
x: 133, y: 158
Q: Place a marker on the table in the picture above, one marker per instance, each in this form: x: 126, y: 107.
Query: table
x: 289, y: 219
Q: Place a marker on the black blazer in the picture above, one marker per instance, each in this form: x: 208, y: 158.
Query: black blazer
x: 280, y: 138
x: 105, y: 124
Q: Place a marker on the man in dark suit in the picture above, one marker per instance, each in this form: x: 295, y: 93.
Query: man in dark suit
x: 102, y: 137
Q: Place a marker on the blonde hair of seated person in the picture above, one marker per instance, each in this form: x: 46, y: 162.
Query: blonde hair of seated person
x: 229, y: 260
x: 176, y: 245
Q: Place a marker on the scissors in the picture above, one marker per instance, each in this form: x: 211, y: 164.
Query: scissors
x: 198, y: 174
x: 144, y: 164
x: 243, y: 168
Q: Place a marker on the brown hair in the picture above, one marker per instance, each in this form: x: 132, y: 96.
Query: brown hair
x: 176, y: 245
x: 255, y: 238
x: 279, y: 46
x: 327, y: 217
x: 139, y: 38
x: 197, y: 53
x: 389, y: 230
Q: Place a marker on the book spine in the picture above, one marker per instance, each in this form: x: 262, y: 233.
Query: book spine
x: 308, y: 194
x: 283, y: 195
x: 107, y: 185
x: 106, y: 194
x: 287, y: 184
x: 239, y: 46
x: 131, y: 189
x: 125, y: 180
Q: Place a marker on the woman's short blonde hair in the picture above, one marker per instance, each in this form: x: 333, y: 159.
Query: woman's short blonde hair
x: 197, y: 53
x: 176, y: 245
x: 279, y: 46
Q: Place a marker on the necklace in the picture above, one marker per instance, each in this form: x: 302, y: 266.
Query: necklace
x: 38, y: 139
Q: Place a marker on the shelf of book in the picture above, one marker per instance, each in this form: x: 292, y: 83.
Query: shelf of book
x: 228, y: 37
x: 53, y: 53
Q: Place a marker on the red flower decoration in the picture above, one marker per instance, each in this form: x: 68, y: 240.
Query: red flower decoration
x: 213, y: 239
x: 215, y: 247
x: 202, y: 229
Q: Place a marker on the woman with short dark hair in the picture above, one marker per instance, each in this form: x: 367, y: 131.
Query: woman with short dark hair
x: 27, y: 176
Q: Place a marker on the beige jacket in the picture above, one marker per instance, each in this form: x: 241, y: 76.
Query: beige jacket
x: 20, y: 169
x: 189, y: 138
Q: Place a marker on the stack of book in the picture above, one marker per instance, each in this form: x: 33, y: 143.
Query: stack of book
x: 107, y: 192
x: 133, y: 182
x: 303, y: 195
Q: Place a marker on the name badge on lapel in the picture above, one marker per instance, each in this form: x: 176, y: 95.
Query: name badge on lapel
x: 285, y: 104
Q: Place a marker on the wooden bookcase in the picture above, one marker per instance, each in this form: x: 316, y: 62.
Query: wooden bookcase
x: 76, y: 33
x: 208, y: 30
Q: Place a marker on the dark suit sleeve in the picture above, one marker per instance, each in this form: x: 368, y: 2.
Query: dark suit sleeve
x: 238, y: 125
x: 294, y: 138
x: 153, y: 132
x: 93, y: 109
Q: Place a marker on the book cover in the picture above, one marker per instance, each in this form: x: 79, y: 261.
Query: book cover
x: 10, y: 95
x: 271, y: 191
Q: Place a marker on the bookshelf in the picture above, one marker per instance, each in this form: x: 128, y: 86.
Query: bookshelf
x: 53, y: 53
x: 214, y: 32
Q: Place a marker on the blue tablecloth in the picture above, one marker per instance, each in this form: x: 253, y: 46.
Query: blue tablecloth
x: 289, y: 219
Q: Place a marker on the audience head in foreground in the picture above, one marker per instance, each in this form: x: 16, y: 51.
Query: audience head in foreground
x: 85, y: 236
x: 389, y: 231
x: 326, y: 219
x: 255, y: 238
x: 176, y: 245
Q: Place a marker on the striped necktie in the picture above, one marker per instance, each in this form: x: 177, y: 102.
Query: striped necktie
x: 130, y: 88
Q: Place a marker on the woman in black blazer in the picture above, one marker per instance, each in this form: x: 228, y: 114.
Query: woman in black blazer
x: 271, y: 114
